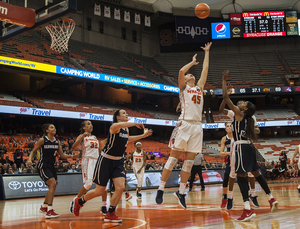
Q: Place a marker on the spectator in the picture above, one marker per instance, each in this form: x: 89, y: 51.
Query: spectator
x: 153, y: 167
x: 30, y: 144
x: 73, y: 169
x: 8, y: 161
x: 22, y: 166
x: 71, y: 141
x: 24, y: 170
x: 2, y: 160
x: 267, y: 170
x: 5, y: 167
x: 283, y: 159
x: 148, y: 166
x: 1, y: 169
x: 15, y: 168
x: 31, y: 169
x: 18, y: 157
x: 9, y: 170
x: 61, y: 168
x: 79, y: 168
x: 3, y: 149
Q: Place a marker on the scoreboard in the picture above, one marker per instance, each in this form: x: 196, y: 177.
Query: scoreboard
x: 280, y: 23
x: 264, y: 24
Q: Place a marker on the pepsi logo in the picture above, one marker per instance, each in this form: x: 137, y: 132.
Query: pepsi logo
x: 289, y: 122
x: 167, y: 122
x: 23, y: 109
x: 220, y: 28
x: 81, y: 115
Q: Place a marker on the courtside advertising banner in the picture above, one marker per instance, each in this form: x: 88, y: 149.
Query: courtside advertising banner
x: 220, y: 30
x: 25, y: 186
x: 192, y: 30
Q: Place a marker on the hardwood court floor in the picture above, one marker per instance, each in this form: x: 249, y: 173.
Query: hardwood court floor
x: 203, y: 211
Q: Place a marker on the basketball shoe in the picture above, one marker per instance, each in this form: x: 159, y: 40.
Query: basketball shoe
x: 230, y: 204
x: 247, y: 214
x: 51, y: 214
x: 159, y: 197
x: 181, y: 199
x: 75, y: 207
x: 224, y: 204
x: 43, y: 209
x: 111, y: 217
x: 273, y: 205
x: 254, y: 201
x: 127, y: 196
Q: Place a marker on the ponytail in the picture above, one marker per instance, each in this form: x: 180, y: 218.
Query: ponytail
x: 81, y: 130
x: 117, y: 113
x: 250, y: 133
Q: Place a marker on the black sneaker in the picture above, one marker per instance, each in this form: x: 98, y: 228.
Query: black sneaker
x: 181, y: 199
x: 230, y: 204
x: 103, y: 210
x: 159, y: 197
x: 203, y: 189
x: 139, y: 195
x: 254, y: 201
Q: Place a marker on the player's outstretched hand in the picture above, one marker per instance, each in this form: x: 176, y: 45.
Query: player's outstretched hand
x: 85, y: 134
x: 194, y: 61
x: 75, y: 156
x: 139, y: 125
x: 29, y: 163
x: 225, y: 74
x: 147, y: 132
x: 207, y: 46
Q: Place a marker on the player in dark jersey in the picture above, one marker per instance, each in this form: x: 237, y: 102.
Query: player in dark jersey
x: 225, y: 143
x: 50, y: 148
x: 110, y: 164
x: 244, y: 135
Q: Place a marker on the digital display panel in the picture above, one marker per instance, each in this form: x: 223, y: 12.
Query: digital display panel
x: 264, y: 24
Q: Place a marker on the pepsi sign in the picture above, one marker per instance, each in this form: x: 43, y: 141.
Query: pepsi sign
x: 220, y: 30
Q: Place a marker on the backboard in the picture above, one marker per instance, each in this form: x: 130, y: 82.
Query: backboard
x: 47, y: 11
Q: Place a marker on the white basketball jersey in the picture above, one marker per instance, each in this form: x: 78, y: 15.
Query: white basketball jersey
x: 191, y: 99
x: 138, y: 159
x: 90, y: 146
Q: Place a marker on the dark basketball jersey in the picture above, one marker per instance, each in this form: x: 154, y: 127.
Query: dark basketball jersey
x: 239, y: 129
x: 227, y: 145
x: 116, y: 143
x: 49, y: 151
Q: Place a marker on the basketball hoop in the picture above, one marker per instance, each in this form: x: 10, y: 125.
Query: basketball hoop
x: 60, y: 34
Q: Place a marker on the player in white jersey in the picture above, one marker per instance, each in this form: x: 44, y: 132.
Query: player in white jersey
x: 90, y: 152
x: 187, y: 136
x: 297, y: 151
x: 139, y: 158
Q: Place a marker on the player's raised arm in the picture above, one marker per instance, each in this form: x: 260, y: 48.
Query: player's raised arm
x: 204, y: 72
x: 184, y: 70
x: 226, y: 98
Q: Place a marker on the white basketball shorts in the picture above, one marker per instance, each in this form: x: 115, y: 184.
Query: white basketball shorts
x: 88, y: 168
x: 187, y: 136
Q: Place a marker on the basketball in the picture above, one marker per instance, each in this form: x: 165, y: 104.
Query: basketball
x: 202, y: 10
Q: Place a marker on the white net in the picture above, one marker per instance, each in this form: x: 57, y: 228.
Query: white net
x: 60, y: 34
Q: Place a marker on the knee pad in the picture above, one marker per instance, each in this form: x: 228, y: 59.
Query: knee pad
x: 171, y: 162
x: 88, y: 184
x: 187, y: 165
x: 250, y: 174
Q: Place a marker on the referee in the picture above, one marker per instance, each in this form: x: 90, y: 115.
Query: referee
x: 197, y: 168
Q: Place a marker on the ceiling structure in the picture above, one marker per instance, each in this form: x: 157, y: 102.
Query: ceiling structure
x: 218, y: 7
